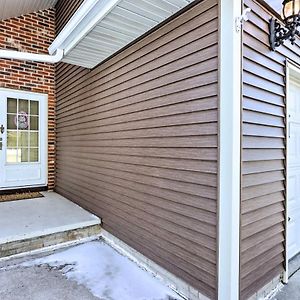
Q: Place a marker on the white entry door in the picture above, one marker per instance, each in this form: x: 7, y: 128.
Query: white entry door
x: 23, y: 139
x: 293, y: 168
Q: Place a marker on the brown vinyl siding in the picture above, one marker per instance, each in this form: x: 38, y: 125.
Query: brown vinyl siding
x: 137, y: 143
x: 263, y: 153
x: 66, y: 9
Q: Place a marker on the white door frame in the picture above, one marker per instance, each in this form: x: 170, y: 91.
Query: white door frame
x: 43, y: 138
x: 291, y: 70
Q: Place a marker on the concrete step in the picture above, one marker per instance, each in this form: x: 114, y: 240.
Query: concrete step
x: 31, y: 224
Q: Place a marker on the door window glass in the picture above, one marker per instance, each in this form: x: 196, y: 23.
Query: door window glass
x: 22, y: 131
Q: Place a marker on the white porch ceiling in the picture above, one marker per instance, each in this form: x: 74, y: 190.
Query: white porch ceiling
x: 126, y: 21
x: 16, y: 8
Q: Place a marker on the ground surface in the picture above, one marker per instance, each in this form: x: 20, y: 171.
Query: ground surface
x: 39, y: 283
x: 86, y: 272
x: 291, y: 291
x: 32, y: 218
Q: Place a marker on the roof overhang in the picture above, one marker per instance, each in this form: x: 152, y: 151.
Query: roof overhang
x: 99, y: 28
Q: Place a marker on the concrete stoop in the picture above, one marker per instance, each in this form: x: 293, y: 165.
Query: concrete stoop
x: 54, y: 239
x: 32, y: 224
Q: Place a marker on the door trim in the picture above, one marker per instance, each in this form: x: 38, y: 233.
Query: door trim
x: 292, y: 70
x: 44, y: 140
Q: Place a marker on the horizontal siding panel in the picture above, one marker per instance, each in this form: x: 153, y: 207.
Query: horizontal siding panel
x: 262, y: 190
x: 262, y: 83
x: 259, y: 238
x: 136, y: 190
x: 206, y: 80
x: 261, y: 130
x: 252, y: 167
x: 68, y: 8
x: 171, y: 163
x: 261, y: 213
x: 262, y: 178
x: 262, y: 119
x: 189, y: 117
x: 128, y: 206
x: 262, y: 107
x: 269, y: 75
x: 172, y: 131
x: 263, y: 95
x: 263, y: 152
x: 184, y: 176
x: 261, y: 281
x: 261, y: 59
x: 175, y: 186
x: 137, y: 143
x: 253, y: 142
x: 208, y: 141
x: 135, y: 112
x: 197, y: 154
x: 138, y: 104
x: 260, y: 202
x: 272, y: 262
x: 262, y: 249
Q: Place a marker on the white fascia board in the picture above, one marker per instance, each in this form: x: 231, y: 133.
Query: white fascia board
x: 230, y: 84
x: 82, y: 22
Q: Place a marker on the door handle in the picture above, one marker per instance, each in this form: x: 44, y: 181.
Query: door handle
x: 2, y: 129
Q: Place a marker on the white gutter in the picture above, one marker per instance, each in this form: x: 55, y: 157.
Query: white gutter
x: 10, y: 54
x: 82, y: 22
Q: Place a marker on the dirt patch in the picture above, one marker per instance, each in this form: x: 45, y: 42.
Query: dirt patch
x: 20, y: 196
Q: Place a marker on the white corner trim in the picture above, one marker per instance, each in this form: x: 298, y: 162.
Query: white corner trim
x: 230, y: 68
x: 82, y: 22
x: 11, y: 54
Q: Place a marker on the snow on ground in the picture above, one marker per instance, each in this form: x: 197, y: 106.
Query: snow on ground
x: 106, y: 273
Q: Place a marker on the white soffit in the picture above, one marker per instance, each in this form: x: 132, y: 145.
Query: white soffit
x: 100, y: 28
x: 16, y: 8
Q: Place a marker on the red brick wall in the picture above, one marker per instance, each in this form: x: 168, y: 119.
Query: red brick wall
x: 31, y: 33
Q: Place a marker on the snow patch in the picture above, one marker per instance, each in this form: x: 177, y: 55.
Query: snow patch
x: 106, y: 273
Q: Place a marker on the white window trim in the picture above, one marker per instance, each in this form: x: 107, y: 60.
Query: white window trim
x: 230, y: 84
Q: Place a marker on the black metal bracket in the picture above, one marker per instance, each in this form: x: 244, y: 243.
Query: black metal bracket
x: 279, y: 33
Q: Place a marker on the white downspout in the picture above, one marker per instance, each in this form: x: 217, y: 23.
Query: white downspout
x: 52, y: 59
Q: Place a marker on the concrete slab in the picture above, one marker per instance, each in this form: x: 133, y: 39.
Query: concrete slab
x: 39, y: 283
x: 294, y: 265
x: 291, y: 291
x: 30, y: 218
x: 88, y: 271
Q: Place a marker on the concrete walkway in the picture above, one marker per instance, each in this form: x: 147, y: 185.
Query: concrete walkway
x: 291, y: 291
x: 23, y: 219
x: 40, y: 283
x: 87, y: 271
